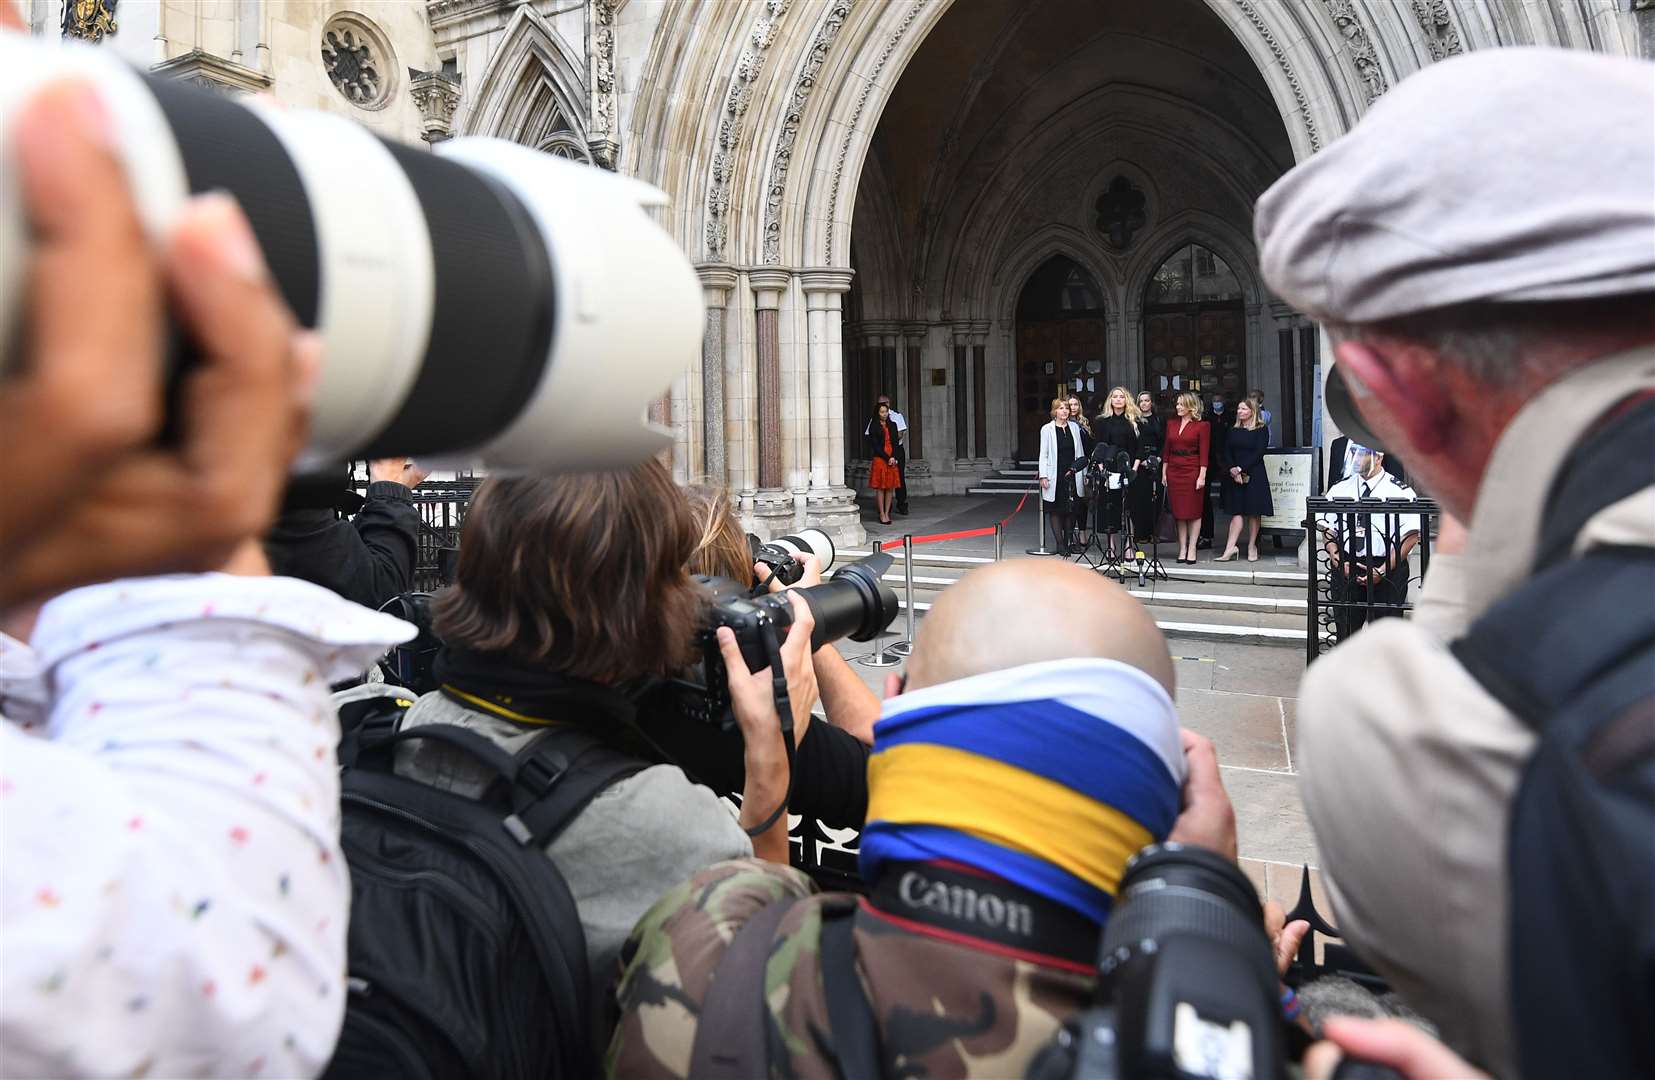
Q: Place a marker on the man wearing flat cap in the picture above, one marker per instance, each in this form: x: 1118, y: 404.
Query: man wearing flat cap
x: 1481, y: 251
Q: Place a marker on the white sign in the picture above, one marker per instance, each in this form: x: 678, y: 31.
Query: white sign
x: 1289, y: 472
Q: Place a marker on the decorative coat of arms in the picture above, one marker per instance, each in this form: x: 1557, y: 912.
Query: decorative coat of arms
x: 89, y: 19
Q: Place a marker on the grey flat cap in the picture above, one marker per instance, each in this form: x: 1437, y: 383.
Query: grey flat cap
x: 1507, y: 175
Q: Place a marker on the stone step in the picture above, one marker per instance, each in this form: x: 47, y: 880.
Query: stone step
x: 999, y: 490
x: 1176, y: 627
x: 1191, y: 578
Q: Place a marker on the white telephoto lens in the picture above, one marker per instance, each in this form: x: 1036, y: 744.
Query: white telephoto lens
x: 491, y: 305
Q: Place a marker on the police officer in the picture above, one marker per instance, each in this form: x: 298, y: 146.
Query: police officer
x: 1490, y: 320
x: 1368, y: 553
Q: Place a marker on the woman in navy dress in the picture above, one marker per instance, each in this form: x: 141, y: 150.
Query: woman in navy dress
x: 1245, y: 495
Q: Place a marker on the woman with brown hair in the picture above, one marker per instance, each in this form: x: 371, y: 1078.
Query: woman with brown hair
x: 1184, y: 472
x: 830, y: 768
x: 1245, y: 494
x: 569, y: 588
x: 884, y: 475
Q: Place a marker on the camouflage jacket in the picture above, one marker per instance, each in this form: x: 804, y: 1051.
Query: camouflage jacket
x: 943, y: 1008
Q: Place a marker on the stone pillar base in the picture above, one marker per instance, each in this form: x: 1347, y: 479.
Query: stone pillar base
x: 773, y: 514
x: 919, y: 478
x: 835, y: 512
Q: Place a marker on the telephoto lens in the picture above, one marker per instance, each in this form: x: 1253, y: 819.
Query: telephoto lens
x: 480, y: 306
x: 785, y: 554
x: 1187, y: 983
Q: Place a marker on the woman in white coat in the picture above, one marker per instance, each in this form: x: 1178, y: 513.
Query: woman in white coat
x: 1062, y: 447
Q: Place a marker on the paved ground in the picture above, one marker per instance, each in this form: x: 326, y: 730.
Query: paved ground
x: 1243, y: 697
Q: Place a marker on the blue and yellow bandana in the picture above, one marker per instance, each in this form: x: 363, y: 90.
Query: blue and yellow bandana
x: 1049, y: 775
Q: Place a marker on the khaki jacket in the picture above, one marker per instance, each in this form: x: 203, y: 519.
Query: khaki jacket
x: 1407, y: 767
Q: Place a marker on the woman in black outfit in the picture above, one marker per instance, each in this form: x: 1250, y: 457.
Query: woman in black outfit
x: 1146, y: 491
x: 1117, y: 426
x: 1245, y: 494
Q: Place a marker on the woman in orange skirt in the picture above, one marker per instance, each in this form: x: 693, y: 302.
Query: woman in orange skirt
x: 883, y: 476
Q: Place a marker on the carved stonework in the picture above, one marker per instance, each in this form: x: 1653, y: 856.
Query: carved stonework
x: 856, y: 116
x: 733, y: 120
x: 213, y: 73
x: 89, y: 19
x: 776, y: 185
x: 603, y: 132
x: 436, y: 95
x: 1121, y: 212
x: 1280, y: 55
x: 1360, y: 47
x: 1441, y: 36
x: 445, y: 11
x: 358, y: 61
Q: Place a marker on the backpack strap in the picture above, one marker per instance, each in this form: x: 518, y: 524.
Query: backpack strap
x: 557, y: 775
x: 1610, y: 465
x: 1535, y: 663
x: 855, y: 1032
x: 732, y: 1033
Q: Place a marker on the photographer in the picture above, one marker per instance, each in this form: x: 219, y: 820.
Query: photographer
x: 999, y: 824
x: 1494, y: 328
x: 568, y: 590
x: 368, y: 559
x: 830, y: 774
x: 173, y: 901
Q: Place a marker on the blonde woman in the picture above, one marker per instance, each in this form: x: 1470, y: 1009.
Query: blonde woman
x: 1061, y: 446
x: 1184, y: 472
x: 1117, y: 426
x: 1245, y: 494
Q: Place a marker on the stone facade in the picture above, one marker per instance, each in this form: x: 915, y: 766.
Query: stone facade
x: 869, y: 196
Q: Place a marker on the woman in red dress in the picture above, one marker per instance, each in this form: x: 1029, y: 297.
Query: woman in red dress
x: 883, y: 476
x: 1184, y: 472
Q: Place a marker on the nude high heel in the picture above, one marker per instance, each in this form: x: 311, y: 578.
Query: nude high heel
x: 1229, y: 556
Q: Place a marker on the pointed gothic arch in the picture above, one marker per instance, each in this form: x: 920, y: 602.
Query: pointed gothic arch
x: 533, y: 92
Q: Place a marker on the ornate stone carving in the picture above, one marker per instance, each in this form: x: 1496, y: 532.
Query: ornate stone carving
x: 1121, y: 212
x: 436, y: 95
x: 856, y: 116
x: 89, y: 19
x: 603, y: 131
x: 1441, y: 36
x: 441, y: 11
x: 1360, y: 47
x: 732, y: 122
x: 359, y: 61
x: 1299, y: 97
x: 215, y: 73
x: 776, y: 185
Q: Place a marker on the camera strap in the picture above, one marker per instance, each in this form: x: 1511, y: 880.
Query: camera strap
x: 784, y: 711
x: 958, y: 903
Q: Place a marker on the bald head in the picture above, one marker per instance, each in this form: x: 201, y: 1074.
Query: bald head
x: 1028, y: 610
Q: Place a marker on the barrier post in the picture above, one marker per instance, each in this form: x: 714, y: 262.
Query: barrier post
x: 906, y: 646
x: 1041, y: 550
x: 999, y: 540
x: 881, y: 656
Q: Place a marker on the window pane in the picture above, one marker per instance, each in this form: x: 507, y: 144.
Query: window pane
x: 1214, y: 280
x: 1171, y: 283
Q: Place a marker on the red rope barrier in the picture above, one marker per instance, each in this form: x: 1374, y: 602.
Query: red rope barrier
x: 936, y: 537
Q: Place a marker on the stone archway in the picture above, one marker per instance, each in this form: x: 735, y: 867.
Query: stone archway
x: 758, y: 119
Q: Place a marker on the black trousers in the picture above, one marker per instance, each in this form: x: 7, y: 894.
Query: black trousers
x: 1353, y: 599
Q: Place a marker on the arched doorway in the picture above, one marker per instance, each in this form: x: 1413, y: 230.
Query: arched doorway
x: 1061, y: 344
x: 1195, y: 329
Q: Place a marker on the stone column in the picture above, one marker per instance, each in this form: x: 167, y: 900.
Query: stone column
x: 773, y: 504
x: 716, y: 283
x: 979, y: 395
x: 830, y: 505
x: 962, y: 396
x: 913, y: 405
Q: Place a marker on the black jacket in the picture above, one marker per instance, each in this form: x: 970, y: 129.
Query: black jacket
x: 368, y: 559
x: 1152, y: 434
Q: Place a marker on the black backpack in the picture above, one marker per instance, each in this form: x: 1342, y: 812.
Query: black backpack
x: 466, y: 953
x: 1572, y: 655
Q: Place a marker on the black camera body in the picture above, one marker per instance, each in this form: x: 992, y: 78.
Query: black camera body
x: 1187, y: 982
x: 856, y: 603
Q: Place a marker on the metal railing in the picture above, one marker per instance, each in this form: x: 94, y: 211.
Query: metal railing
x: 442, y: 506
x: 1364, y: 581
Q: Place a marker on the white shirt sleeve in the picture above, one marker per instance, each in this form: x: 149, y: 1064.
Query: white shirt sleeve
x: 174, y: 901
